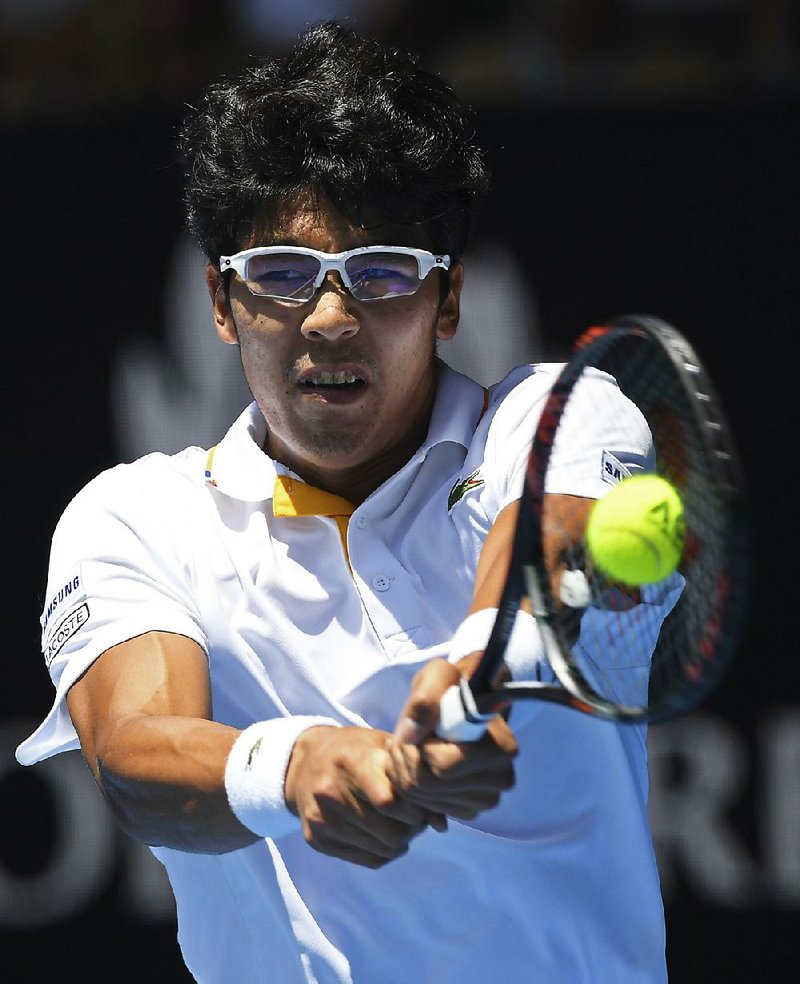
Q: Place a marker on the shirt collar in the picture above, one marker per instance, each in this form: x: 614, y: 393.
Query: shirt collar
x: 460, y: 403
x: 239, y: 468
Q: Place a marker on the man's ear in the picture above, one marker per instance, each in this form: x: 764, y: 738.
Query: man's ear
x: 223, y: 317
x: 447, y: 321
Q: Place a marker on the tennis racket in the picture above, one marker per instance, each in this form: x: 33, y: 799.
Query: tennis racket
x: 625, y: 654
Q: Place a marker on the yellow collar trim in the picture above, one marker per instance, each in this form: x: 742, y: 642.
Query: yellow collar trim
x: 295, y: 498
x: 291, y: 497
x: 209, y: 464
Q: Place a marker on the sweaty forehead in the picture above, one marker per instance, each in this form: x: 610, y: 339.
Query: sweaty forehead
x: 314, y: 222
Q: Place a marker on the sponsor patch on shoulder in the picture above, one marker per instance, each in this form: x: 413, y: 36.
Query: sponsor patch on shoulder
x: 70, y: 592
x: 612, y: 470
x: 65, y: 630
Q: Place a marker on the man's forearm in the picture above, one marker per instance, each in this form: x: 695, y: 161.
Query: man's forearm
x: 163, y: 777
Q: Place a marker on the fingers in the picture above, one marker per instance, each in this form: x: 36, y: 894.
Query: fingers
x: 497, y: 748
x: 337, y: 783
x: 355, y: 831
x: 464, y: 801
x: 456, y: 779
x: 420, y: 715
x: 368, y: 824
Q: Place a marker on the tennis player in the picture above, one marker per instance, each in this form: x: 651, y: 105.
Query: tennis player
x: 249, y: 642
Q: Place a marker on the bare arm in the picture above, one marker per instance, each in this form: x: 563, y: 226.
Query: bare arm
x: 142, y: 713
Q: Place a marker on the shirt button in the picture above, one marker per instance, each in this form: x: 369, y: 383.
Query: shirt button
x: 361, y: 522
x: 381, y: 582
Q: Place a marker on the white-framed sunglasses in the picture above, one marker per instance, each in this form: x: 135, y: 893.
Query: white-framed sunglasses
x: 370, y: 273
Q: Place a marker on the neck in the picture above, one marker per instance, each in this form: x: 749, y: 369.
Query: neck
x: 357, y: 482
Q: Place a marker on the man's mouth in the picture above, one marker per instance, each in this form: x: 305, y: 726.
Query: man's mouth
x: 344, y: 380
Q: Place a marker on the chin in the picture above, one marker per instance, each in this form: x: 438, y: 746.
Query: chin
x: 344, y: 447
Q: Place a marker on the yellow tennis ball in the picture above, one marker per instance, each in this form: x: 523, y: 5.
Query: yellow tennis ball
x: 635, y: 533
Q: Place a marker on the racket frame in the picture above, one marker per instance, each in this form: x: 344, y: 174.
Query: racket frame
x: 527, y: 575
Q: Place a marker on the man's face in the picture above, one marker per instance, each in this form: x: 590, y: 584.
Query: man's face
x: 346, y: 438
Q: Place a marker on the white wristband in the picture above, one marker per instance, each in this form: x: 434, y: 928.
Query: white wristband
x: 256, y: 770
x: 524, y: 651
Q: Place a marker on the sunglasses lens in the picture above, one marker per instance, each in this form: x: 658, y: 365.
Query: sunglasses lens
x: 286, y: 275
x: 386, y: 274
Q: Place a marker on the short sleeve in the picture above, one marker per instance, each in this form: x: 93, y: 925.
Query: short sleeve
x: 117, y: 570
x: 602, y: 436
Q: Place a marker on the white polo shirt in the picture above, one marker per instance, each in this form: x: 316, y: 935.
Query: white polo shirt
x: 332, y: 615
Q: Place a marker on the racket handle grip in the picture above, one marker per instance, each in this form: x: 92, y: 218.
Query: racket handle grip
x: 459, y: 717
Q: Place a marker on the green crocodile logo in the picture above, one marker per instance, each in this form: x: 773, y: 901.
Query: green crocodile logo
x: 462, y: 486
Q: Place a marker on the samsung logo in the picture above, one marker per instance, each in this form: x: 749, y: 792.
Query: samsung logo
x: 70, y: 588
x: 612, y: 470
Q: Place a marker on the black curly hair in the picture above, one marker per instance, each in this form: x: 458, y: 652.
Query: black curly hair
x: 340, y: 116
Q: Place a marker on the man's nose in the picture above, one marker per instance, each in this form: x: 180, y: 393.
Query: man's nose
x: 329, y: 317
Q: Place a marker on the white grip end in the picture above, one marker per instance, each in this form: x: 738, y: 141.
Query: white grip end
x: 459, y: 718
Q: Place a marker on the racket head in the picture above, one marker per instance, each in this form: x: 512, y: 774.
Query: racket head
x: 631, y: 654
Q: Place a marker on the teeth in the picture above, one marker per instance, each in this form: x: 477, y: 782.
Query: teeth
x: 331, y: 378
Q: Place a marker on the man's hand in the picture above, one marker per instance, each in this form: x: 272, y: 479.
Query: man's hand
x: 457, y: 779
x: 338, y: 784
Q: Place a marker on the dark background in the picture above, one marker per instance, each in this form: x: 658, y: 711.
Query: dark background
x: 646, y: 159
